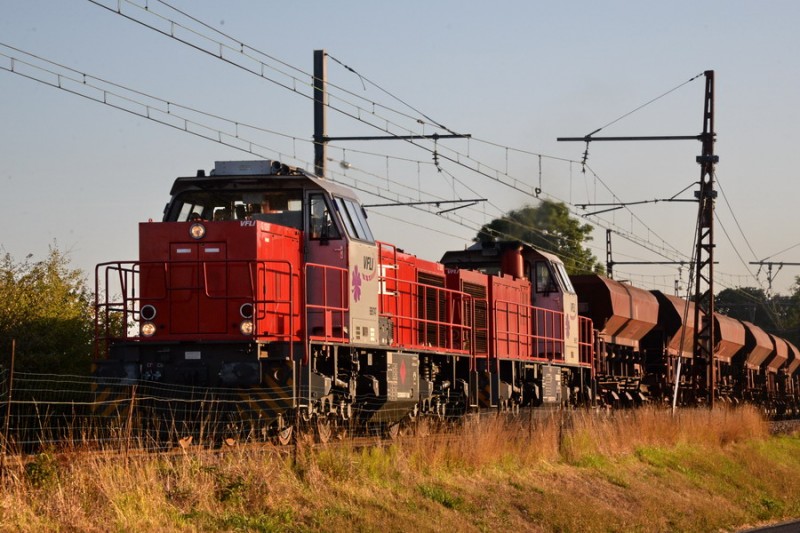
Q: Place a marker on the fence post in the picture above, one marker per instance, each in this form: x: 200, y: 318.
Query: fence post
x: 129, y: 423
x: 8, y: 407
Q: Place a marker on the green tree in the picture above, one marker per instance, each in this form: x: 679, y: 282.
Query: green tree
x: 745, y: 303
x: 548, y: 227
x: 47, y: 308
x: 793, y: 314
x: 779, y: 314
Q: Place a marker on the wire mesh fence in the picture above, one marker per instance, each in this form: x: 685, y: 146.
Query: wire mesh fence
x: 44, y: 411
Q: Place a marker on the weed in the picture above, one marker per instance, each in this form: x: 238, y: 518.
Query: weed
x: 42, y: 472
x: 231, y: 490
x: 379, y: 464
x: 439, y: 495
x: 260, y: 522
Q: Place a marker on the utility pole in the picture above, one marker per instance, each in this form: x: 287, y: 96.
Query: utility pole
x: 770, y: 275
x: 321, y: 137
x: 320, y: 111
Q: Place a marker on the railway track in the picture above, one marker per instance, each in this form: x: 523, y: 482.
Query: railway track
x: 784, y: 427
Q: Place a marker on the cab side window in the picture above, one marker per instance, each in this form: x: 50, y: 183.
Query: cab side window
x: 545, y: 282
x: 321, y: 225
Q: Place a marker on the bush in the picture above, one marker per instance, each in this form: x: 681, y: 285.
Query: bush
x: 47, y: 308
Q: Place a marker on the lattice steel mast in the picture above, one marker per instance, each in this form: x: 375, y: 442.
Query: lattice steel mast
x: 704, y: 266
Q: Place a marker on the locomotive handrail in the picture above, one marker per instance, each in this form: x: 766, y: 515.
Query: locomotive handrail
x: 106, y: 307
x: 529, y: 338
x: 451, y: 298
x: 409, y: 324
x: 586, y: 343
x: 127, y: 303
x: 327, y: 310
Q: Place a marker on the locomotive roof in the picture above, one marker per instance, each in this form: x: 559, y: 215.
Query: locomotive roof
x: 231, y: 175
x: 484, y: 250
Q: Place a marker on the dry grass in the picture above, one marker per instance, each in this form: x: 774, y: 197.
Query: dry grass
x: 623, y: 432
x: 625, y: 471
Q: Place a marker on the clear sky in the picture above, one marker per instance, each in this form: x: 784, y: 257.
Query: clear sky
x: 518, y: 74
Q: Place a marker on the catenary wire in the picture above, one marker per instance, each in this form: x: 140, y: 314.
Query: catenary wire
x: 514, y: 184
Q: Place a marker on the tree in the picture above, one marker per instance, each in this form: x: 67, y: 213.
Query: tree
x: 792, y: 330
x: 47, y: 308
x: 745, y: 303
x: 779, y: 315
x: 548, y: 227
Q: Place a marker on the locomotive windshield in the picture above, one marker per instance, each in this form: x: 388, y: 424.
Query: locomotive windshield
x: 552, y: 279
x: 563, y: 277
x: 328, y: 216
x: 355, y: 221
x: 284, y: 207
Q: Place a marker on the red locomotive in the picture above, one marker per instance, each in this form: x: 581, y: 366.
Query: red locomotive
x: 266, y: 281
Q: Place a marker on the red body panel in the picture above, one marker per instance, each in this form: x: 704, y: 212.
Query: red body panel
x: 512, y: 318
x: 472, y: 311
x: 199, y: 285
x: 398, y: 293
x: 424, y: 312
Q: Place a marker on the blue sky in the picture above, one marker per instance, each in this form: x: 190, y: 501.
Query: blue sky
x: 516, y: 73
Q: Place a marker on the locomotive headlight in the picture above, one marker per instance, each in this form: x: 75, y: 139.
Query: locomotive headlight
x: 197, y: 231
x: 147, y: 312
x: 148, y: 329
x: 246, y: 327
x: 246, y: 310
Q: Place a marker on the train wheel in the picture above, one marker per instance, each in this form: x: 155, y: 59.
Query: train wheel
x: 423, y: 426
x: 340, y: 430
x: 393, y: 431
x: 284, y: 437
x: 323, y: 429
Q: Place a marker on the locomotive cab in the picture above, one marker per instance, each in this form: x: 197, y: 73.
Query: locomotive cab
x: 339, y: 254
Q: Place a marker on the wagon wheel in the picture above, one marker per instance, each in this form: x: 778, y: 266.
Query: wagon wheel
x: 423, y: 426
x: 284, y: 436
x: 323, y: 429
x: 340, y: 430
x: 393, y: 431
